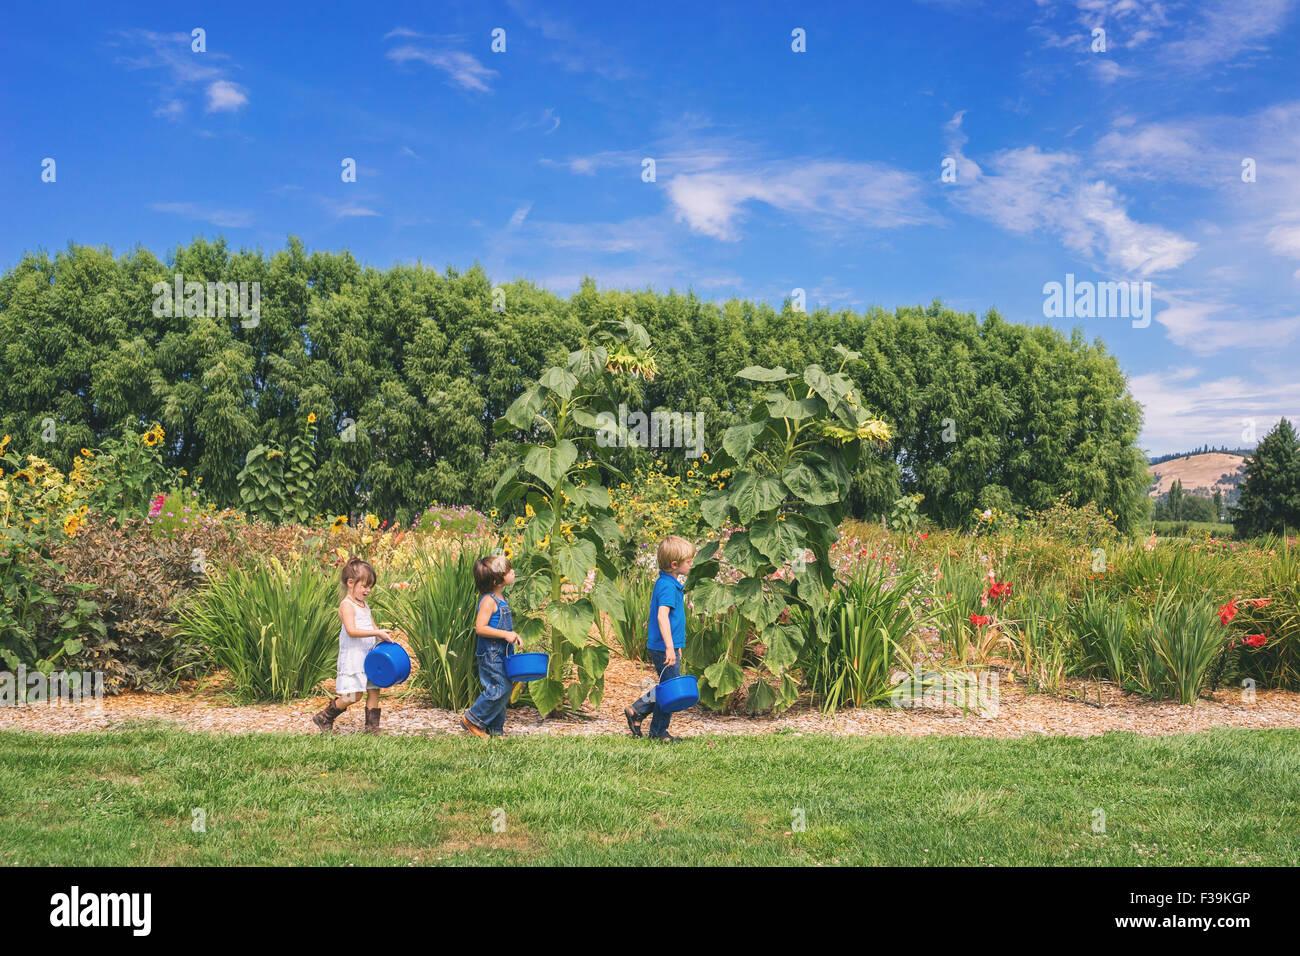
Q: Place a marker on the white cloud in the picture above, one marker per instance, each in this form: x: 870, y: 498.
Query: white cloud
x: 520, y: 215
x: 225, y: 97
x: 1030, y: 190
x: 184, y: 72
x: 463, y: 69
x: 1208, y: 326
x: 225, y: 218
x: 1182, y: 408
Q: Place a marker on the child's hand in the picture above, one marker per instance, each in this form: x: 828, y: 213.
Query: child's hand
x: 386, y: 636
x: 670, y: 656
x: 515, y: 639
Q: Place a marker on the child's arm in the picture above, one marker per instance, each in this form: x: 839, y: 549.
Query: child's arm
x: 666, y: 632
x: 485, y: 609
x: 348, y: 614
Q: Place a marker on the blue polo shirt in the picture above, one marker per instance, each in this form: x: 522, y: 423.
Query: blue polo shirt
x: 667, y: 593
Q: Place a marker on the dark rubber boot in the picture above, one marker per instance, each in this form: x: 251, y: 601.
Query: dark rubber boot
x: 372, y: 720
x: 325, y: 719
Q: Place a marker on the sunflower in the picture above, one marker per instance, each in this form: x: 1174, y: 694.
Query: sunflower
x: 71, y: 525
x: 340, y: 523
x: 311, y: 418
x: 154, y: 435
x: 4, y: 444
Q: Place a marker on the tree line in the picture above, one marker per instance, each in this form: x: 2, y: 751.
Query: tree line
x: 407, y: 368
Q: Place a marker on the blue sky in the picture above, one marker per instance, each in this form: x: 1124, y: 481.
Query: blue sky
x: 775, y: 169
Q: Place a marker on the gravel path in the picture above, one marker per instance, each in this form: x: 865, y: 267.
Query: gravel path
x: 1018, y: 714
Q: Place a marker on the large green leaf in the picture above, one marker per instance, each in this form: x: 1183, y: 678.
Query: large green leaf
x: 788, y: 694
x: 778, y: 540
x: 710, y: 597
x: 546, y: 694
x: 549, y: 463
x: 714, y: 507
x: 587, y: 496
x: 559, y: 380
x: 740, y: 553
x: 724, y: 677
x: 810, y: 485
x: 753, y: 495
x: 757, y: 373
x: 738, y: 440
x: 574, y: 621
x: 524, y: 409
x: 608, y: 599
x: 575, y: 559
x: 588, y: 363
x: 761, y: 697
x: 783, y: 646
x: 781, y: 405
x: 607, y: 529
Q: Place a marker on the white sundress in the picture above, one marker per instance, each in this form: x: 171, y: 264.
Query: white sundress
x: 351, y: 677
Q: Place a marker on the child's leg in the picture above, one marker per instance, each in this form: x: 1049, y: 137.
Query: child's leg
x: 659, y: 722
x: 489, y: 709
x: 644, y: 704
x: 372, y: 698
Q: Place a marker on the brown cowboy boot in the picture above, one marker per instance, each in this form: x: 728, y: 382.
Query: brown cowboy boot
x: 325, y: 719
x: 372, y: 720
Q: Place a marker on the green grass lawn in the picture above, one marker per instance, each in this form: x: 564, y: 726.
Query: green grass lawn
x: 1224, y: 797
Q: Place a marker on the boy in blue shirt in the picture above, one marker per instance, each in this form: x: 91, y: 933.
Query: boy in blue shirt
x: 666, y: 634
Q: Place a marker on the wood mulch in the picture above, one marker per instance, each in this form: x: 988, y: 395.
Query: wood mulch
x: 209, y: 707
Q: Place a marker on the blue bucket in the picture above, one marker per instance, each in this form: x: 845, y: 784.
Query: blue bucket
x: 387, y: 664
x: 677, y: 693
x: 522, y: 668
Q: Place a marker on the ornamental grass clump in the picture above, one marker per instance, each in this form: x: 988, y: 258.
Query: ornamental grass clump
x: 435, y: 610
x: 273, y: 630
x: 865, y: 633
x: 631, y: 627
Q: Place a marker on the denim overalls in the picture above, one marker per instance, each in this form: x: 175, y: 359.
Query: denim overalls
x: 489, y: 711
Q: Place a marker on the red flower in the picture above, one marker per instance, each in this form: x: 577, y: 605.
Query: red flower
x: 1255, y: 640
x: 1261, y: 602
x: 999, y: 590
x: 980, y: 620
x: 924, y: 535
x: 1228, y: 611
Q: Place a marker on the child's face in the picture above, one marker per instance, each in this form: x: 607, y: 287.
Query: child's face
x: 683, y: 567
x: 359, y: 589
x: 509, y: 579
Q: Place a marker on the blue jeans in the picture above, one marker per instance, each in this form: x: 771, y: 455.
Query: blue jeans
x: 489, y: 711
x: 647, y: 704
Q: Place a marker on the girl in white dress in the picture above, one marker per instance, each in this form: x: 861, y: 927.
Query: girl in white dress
x: 357, y: 635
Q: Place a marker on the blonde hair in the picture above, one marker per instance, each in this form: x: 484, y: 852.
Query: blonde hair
x: 672, y: 550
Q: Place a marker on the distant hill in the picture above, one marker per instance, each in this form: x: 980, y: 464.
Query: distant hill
x: 1203, y: 450
x: 1200, y: 474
